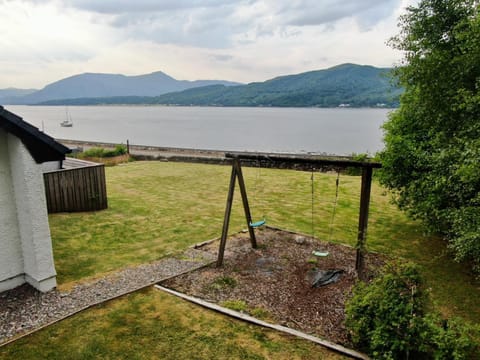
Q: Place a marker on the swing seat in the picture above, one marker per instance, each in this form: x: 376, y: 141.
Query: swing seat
x: 258, y: 223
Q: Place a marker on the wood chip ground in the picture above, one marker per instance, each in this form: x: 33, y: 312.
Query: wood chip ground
x: 274, y: 280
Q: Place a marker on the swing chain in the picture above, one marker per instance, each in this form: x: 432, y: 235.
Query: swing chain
x: 257, y: 179
x: 337, y: 183
x: 312, y: 180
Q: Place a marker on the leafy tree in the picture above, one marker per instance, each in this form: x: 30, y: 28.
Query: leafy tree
x: 432, y: 142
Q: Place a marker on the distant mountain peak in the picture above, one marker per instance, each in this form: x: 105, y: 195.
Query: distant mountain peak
x: 93, y: 85
x: 158, y: 73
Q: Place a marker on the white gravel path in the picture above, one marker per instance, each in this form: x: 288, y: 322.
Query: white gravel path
x: 23, y: 310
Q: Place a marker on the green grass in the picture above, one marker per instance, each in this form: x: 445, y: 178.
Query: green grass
x: 152, y: 325
x: 159, y: 208
x: 155, y: 209
x: 237, y: 305
x: 224, y: 282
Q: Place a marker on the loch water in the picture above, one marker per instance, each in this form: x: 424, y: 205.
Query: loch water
x: 340, y: 131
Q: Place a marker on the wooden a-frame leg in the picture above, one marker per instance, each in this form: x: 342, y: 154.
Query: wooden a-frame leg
x: 246, y: 207
x: 363, y: 220
x: 226, y: 219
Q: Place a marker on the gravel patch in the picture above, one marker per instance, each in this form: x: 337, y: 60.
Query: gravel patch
x: 24, y: 309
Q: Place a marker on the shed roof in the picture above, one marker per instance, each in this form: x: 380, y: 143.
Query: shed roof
x: 41, y: 146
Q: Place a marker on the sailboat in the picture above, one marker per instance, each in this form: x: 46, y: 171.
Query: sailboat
x: 68, y: 121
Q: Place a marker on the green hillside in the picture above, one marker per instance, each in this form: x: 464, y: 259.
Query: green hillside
x: 342, y: 85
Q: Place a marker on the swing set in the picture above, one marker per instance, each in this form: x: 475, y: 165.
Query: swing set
x: 297, y: 162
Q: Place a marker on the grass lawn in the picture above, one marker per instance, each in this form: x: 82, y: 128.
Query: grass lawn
x: 152, y: 325
x: 159, y: 208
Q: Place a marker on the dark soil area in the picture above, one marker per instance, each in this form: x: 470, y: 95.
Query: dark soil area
x: 274, y: 281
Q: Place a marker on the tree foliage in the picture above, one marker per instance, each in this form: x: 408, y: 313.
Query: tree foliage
x: 432, y: 142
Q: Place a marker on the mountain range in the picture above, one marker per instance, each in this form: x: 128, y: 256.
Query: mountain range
x: 343, y: 85
x: 13, y: 92
x: 104, y: 85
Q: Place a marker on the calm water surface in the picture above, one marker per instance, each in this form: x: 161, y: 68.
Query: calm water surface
x: 297, y: 130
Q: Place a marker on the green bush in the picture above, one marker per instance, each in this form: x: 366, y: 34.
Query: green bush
x: 119, y: 150
x: 92, y: 152
x: 104, y: 153
x: 388, y: 320
x: 452, y: 339
x: 383, y: 317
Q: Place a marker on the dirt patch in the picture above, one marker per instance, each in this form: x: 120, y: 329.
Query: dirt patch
x: 274, y: 281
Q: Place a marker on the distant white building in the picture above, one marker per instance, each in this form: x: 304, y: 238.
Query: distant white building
x: 25, y: 243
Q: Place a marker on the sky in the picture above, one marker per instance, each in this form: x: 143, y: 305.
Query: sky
x: 43, y: 41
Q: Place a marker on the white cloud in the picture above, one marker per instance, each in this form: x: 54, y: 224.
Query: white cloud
x: 213, y: 23
x: 246, y: 40
x: 143, y: 6
x: 39, y: 37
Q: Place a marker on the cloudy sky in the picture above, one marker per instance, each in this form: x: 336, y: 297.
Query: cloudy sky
x: 244, y: 40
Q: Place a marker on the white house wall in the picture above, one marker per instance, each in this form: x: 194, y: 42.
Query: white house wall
x: 32, y: 218
x: 11, y: 258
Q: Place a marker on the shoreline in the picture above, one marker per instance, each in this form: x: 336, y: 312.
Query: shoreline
x: 160, y: 153
x: 165, y: 151
x: 205, y: 156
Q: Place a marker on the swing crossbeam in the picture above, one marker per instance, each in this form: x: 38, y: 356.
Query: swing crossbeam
x: 293, y: 162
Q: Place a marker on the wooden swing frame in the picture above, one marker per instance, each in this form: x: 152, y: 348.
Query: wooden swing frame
x: 286, y: 161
